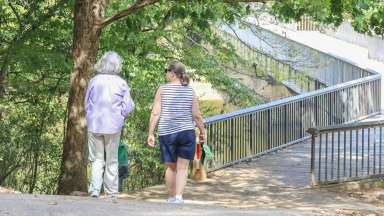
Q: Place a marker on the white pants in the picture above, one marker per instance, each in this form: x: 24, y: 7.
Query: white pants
x: 97, y: 144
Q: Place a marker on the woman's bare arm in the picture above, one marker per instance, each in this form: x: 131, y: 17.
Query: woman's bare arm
x: 155, y: 115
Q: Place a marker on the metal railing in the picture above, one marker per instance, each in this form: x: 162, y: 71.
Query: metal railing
x: 332, y: 69
x: 238, y: 136
x: 329, y: 71
x: 262, y: 64
x: 346, y: 152
x: 307, y: 24
x: 251, y: 132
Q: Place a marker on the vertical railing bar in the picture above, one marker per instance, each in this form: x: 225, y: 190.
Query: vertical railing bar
x: 240, y: 135
x: 285, y: 124
x: 369, y: 150
x: 255, y: 131
x: 290, y: 122
x: 313, y: 178
x: 326, y: 156
x: 233, y: 133
x: 269, y: 129
x: 374, y: 150
x: 242, y: 130
x: 357, y: 152
x: 228, y: 139
x: 320, y: 149
x: 220, y: 142
x: 262, y: 130
x: 380, y: 152
x: 251, y: 145
x: 276, y: 126
x: 247, y: 138
x: 362, y: 151
x: 216, y: 142
x: 350, y: 153
x: 225, y: 140
x: 345, y: 152
x: 338, y: 155
x: 256, y: 128
x: 332, y: 153
x: 235, y: 138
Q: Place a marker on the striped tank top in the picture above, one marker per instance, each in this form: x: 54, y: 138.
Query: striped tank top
x: 176, y: 109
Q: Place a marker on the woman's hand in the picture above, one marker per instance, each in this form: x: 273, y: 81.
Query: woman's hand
x: 151, y: 140
x: 202, y: 138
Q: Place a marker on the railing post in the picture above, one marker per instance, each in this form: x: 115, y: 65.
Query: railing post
x: 232, y: 139
x: 381, y: 93
x: 329, y: 107
x: 251, y: 147
x: 269, y: 129
x: 301, y: 119
x: 313, y: 175
x: 316, y: 111
x: 285, y: 125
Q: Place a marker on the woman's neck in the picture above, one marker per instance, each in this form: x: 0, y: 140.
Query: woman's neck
x: 175, y: 82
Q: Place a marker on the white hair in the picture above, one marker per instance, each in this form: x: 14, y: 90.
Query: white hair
x: 109, y: 63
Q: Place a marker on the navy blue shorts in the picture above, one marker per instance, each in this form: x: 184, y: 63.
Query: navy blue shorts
x: 181, y: 144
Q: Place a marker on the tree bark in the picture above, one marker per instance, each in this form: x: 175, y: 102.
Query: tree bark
x: 88, y: 14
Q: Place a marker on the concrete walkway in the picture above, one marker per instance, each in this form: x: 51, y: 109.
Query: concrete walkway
x: 43, y: 205
x: 276, y: 181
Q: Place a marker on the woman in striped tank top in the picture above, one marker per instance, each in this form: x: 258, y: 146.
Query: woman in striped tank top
x: 177, y: 107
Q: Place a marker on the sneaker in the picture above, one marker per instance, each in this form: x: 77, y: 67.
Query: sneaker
x: 171, y: 199
x: 112, y: 198
x: 177, y: 201
x: 95, y: 194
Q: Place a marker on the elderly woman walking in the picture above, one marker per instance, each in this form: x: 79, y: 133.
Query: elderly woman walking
x: 107, y: 103
x: 177, y: 107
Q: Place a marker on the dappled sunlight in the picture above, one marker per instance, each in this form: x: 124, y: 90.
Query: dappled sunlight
x: 279, y: 180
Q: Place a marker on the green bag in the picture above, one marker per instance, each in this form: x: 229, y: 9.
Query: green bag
x: 123, y: 154
x: 206, y: 154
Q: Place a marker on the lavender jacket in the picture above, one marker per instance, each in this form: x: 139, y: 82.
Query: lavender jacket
x: 107, y: 103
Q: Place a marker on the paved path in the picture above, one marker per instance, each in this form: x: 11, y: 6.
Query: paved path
x: 274, y: 181
x: 43, y: 205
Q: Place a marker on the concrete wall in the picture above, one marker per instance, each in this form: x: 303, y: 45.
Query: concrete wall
x: 375, y: 44
x: 376, y: 48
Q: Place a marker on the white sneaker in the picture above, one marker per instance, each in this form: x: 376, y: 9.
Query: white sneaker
x: 112, y: 198
x: 95, y: 194
x: 171, y: 199
x: 177, y: 201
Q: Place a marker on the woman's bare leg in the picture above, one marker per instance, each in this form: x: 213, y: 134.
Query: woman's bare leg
x: 170, y: 177
x: 181, y: 175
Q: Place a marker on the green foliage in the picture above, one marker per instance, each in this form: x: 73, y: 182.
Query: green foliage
x: 35, y: 42
x: 367, y: 16
x: 35, y: 60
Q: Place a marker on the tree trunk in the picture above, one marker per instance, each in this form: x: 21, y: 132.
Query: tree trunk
x: 88, y: 14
